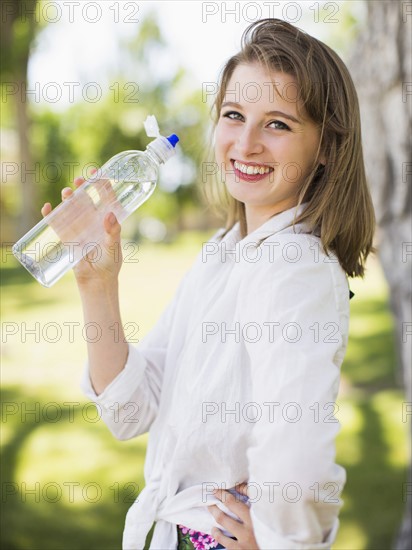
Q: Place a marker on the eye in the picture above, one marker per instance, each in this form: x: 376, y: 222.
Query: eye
x: 278, y: 125
x: 233, y: 115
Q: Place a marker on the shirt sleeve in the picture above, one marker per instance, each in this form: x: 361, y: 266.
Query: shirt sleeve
x: 298, y: 299
x: 129, y: 404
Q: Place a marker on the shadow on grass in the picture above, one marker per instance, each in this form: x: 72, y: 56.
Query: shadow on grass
x: 374, y: 485
x: 34, y: 517
x: 370, y: 363
x: 16, y: 275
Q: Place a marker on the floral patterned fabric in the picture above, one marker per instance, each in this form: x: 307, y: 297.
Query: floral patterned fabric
x: 188, y: 539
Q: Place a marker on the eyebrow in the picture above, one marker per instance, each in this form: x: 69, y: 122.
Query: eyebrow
x: 268, y: 113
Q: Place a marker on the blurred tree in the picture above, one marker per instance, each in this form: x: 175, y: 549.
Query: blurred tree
x: 381, y: 67
x: 69, y: 143
x: 19, y: 24
x: 164, y: 89
x: 66, y: 144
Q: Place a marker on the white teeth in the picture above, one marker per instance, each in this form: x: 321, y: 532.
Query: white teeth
x: 251, y: 170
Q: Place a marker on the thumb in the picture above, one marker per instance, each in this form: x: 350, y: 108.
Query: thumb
x: 112, y: 230
x: 112, y: 241
x: 112, y: 226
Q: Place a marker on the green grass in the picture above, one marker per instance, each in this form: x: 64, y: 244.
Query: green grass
x: 67, y: 484
x: 372, y: 445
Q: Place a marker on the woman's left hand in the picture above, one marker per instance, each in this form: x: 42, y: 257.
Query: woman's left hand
x: 242, y: 530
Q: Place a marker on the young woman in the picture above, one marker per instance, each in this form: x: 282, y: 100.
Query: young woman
x: 237, y: 381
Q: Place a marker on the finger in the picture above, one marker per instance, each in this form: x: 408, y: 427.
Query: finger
x: 78, y: 181
x: 224, y: 520
x: 66, y: 193
x: 222, y: 539
x: 47, y: 208
x: 242, y: 489
x: 234, y: 504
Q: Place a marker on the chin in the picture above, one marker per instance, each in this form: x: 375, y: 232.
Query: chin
x: 247, y: 196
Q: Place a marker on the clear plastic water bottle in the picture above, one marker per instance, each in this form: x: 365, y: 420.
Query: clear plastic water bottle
x: 75, y: 227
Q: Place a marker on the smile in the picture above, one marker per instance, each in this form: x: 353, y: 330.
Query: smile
x: 252, y: 172
x: 251, y: 169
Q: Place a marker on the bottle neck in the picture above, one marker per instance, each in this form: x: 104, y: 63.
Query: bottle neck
x: 151, y: 153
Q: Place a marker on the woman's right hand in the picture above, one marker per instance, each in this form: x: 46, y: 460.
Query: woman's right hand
x: 105, y: 266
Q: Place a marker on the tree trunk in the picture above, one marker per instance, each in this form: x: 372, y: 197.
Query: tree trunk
x: 381, y: 68
x: 29, y: 213
x: 18, y: 27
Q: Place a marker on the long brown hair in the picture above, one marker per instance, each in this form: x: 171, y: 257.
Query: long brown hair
x: 339, y: 201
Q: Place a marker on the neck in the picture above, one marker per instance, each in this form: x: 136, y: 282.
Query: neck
x: 255, y: 216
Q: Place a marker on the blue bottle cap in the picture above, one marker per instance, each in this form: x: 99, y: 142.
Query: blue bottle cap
x: 173, y: 139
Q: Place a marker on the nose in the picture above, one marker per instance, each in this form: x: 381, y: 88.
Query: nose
x: 249, y: 141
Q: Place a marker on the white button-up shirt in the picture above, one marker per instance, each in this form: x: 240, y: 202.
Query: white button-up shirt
x: 236, y: 383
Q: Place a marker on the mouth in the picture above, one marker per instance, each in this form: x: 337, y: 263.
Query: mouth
x: 250, y: 171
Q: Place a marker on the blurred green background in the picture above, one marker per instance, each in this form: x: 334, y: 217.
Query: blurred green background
x: 66, y: 483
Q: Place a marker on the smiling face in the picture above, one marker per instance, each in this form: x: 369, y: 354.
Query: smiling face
x: 264, y: 147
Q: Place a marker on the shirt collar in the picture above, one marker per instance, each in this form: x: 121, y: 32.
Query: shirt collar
x: 274, y: 224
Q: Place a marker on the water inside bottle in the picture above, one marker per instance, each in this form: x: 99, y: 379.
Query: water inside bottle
x: 75, y: 227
